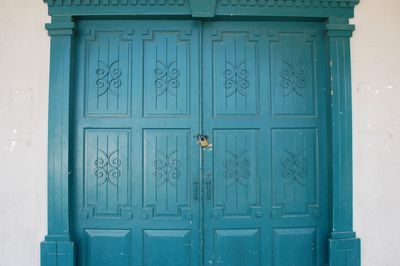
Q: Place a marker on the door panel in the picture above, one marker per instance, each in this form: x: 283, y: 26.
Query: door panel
x: 234, y: 117
x: 108, y: 61
x: 230, y: 242
x: 136, y: 110
x: 294, y: 174
x: 235, y: 64
x: 293, y: 72
x: 167, y: 68
x: 166, y: 182
x: 236, y: 191
x: 296, y: 246
x: 264, y: 108
x: 167, y: 247
x: 107, y: 188
x: 108, y: 247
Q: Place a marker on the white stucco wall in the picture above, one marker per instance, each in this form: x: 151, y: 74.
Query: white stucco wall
x: 376, y: 131
x: 24, y: 59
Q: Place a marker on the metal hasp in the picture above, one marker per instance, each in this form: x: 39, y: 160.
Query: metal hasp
x: 167, y: 168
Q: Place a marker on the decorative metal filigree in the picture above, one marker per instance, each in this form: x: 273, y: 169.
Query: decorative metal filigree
x: 236, y: 79
x: 166, y: 168
x: 293, y: 79
x: 237, y: 168
x: 166, y: 78
x: 108, y: 78
x: 107, y: 167
x: 294, y: 168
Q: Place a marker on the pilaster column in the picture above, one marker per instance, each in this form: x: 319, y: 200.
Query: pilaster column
x: 344, y: 247
x: 57, y: 248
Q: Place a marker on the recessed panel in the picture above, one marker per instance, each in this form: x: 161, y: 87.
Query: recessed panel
x: 167, y: 66
x: 166, y: 175
x: 295, y: 247
x: 295, y: 177
x: 108, y: 58
x: 293, y: 80
x: 108, y: 247
x: 167, y: 247
x: 236, y: 176
x: 237, y: 247
x: 107, y: 180
x: 235, y: 73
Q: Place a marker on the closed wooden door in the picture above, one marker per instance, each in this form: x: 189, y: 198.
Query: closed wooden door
x: 146, y: 193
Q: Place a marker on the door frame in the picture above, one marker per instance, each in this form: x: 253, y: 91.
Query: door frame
x: 344, y: 247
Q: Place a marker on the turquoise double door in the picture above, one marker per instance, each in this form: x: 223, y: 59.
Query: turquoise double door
x: 146, y: 193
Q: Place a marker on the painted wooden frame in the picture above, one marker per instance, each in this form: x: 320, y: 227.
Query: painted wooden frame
x: 344, y: 247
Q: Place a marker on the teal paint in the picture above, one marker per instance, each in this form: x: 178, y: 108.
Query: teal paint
x: 135, y: 169
x: 57, y: 248
x: 205, y: 8
x: 121, y: 134
x: 344, y: 246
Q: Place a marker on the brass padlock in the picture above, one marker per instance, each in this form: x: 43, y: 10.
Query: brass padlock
x: 202, y: 140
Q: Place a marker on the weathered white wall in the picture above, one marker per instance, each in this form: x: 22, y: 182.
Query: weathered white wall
x: 376, y: 103
x: 24, y: 58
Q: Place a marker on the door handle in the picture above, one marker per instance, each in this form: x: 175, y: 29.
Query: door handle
x: 196, y: 189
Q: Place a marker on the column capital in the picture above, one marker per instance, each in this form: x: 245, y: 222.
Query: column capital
x: 339, y: 27
x: 60, y: 26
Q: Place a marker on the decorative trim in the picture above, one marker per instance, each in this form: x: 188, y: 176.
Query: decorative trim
x: 205, y: 8
x: 60, y: 28
x: 293, y: 79
x: 242, y: 3
x: 107, y: 167
x: 294, y: 168
x: 114, y: 2
x: 237, y: 168
x: 108, y: 78
x: 167, y: 168
x: 166, y: 77
x: 292, y: 3
x: 236, y: 79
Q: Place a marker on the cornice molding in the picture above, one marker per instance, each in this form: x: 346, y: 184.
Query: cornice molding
x: 115, y: 2
x: 244, y: 3
x: 205, y: 8
x: 292, y: 3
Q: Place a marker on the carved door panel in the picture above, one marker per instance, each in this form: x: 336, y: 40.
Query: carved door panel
x: 266, y: 178
x: 136, y: 163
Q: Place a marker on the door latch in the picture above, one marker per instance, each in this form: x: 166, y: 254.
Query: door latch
x: 202, y: 140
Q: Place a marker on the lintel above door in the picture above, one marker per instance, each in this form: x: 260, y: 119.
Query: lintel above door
x: 205, y: 8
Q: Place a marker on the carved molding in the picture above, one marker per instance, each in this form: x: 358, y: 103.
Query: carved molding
x: 114, y: 2
x: 243, y: 3
x: 205, y: 8
x: 292, y: 3
x: 167, y: 168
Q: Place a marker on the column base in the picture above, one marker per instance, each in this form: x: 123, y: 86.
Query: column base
x: 57, y: 253
x: 344, y: 252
